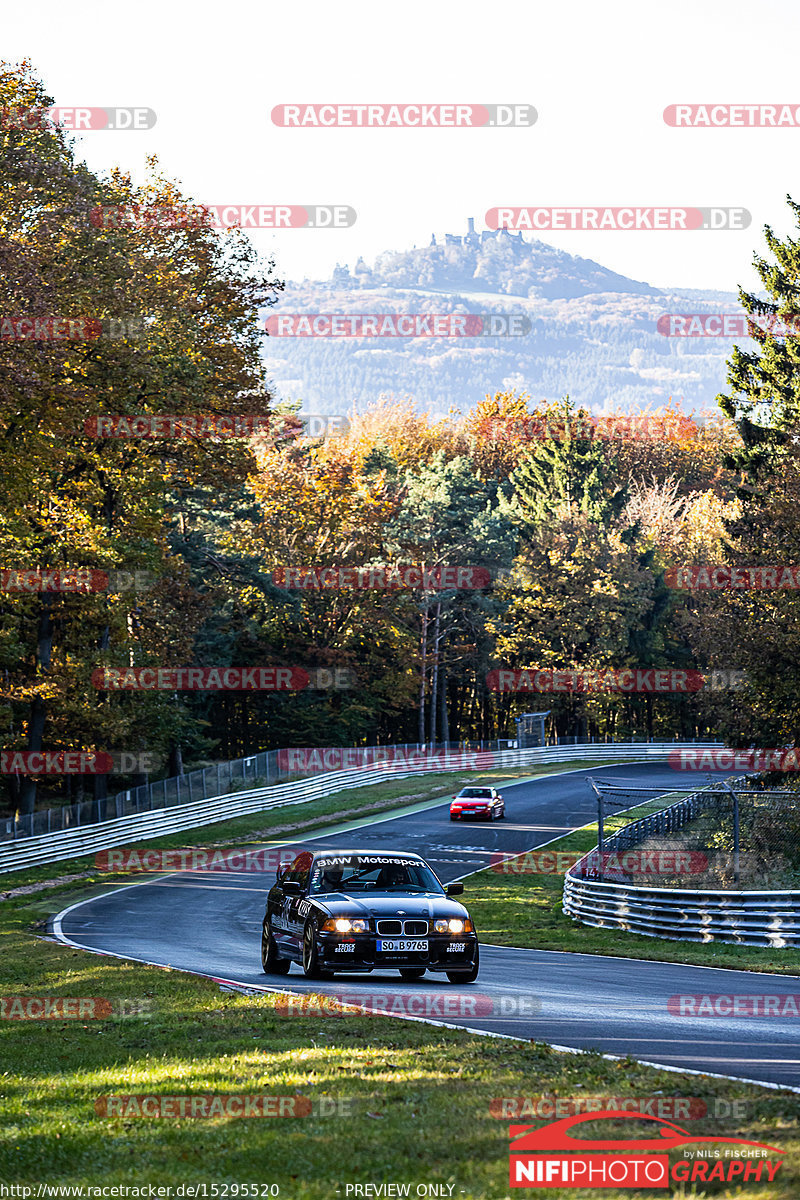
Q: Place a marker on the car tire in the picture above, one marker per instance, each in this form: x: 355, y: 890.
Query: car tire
x: 271, y: 962
x: 412, y: 973
x: 468, y: 976
x: 503, y: 815
x: 452, y: 818
x: 311, y: 967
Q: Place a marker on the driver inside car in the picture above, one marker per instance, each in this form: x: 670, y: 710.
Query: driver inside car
x: 391, y: 877
x: 331, y: 879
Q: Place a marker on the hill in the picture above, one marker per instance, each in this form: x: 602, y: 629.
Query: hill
x: 593, y: 332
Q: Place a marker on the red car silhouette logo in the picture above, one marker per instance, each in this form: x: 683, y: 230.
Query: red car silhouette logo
x: 528, y: 1139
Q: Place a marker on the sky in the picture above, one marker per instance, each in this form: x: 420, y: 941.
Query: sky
x: 598, y: 75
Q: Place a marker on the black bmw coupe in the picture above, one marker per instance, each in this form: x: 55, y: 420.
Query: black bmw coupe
x: 356, y: 910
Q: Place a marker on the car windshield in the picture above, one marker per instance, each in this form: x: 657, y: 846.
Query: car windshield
x: 372, y: 873
x: 477, y: 793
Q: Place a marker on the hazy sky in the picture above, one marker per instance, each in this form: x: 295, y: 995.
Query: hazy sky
x: 599, y: 75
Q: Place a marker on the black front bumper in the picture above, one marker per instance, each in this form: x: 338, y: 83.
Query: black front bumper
x: 443, y: 953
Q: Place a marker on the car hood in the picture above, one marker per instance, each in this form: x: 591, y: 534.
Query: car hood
x: 391, y: 904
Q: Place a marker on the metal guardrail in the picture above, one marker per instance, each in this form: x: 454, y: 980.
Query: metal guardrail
x: 756, y: 918
x: 87, y: 839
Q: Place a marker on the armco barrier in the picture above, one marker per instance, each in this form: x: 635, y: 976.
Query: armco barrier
x: 87, y: 839
x: 681, y: 914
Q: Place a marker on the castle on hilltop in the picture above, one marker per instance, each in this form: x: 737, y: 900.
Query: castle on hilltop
x: 471, y: 238
x: 362, y: 274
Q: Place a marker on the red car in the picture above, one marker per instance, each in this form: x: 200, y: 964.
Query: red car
x: 482, y: 802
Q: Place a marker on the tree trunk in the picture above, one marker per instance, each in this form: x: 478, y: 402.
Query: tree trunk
x: 175, y: 759
x: 435, y: 678
x: 422, y: 674
x: 27, y: 791
x: 445, y: 724
x: 38, y: 711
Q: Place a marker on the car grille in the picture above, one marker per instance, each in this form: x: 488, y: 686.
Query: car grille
x: 411, y: 928
x: 415, y: 928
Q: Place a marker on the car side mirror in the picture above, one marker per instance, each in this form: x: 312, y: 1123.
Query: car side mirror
x: 454, y: 889
x: 292, y: 888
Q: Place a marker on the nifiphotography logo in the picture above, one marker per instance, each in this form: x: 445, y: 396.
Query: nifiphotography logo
x: 550, y: 1157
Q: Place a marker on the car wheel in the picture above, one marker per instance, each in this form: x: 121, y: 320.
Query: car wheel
x: 468, y: 976
x: 271, y: 962
x: 311, y: 967
x: 452, y: 818
x: 412, y: 973
x: 503, y: 813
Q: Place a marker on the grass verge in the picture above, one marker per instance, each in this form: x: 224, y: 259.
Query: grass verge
x: 409, y: 1104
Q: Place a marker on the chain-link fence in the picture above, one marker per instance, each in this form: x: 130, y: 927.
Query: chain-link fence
x: 727, y: 835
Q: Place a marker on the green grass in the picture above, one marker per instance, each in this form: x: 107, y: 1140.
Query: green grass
x: 526, y: 910
x: 415, y: 1099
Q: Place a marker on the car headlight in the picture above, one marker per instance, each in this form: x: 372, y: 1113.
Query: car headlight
x: 453, y: 925
x: 345, y: 925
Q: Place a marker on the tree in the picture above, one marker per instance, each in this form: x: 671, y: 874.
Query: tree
x: 570, y: 470
x: 764, y: 383
x: 448, y: 516
x: 191, y: 295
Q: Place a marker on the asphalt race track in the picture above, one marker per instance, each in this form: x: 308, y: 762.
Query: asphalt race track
x: 211, y: 923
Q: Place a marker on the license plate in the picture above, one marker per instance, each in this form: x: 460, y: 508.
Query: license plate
x: 396, y: 944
